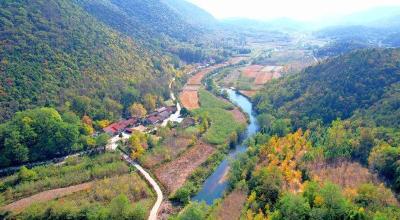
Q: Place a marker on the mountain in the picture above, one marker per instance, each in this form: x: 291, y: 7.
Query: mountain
x: 143, y: 19
x: 336, y: 88
x: 55, y: 51
x: 192, y: 13
x: 380, y: 17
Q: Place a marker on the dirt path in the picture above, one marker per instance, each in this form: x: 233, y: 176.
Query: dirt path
x: 22, y: 204
x: 153, y: 183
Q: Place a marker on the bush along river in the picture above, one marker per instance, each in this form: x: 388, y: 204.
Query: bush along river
x: 216, y: 184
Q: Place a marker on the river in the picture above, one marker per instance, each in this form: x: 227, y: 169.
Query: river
x: 216, y: 184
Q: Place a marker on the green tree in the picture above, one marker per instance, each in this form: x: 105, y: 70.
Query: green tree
x: 267, y: 183
x: 281, y: 127
x: 330, y: 203
x: 25, y: 174
x: 294, y: 207
x: 337, y: 143
x: 81, y: 105
x: 119, y: 207
x: 194, y: 211
x: 137, y: 110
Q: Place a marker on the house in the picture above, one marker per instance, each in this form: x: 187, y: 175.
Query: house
x: 187, y: 122
x: 140, y: 128
x: 120, y: 126
x: 160, y: 115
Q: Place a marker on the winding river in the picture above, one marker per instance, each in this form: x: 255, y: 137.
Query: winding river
x: 216, y: 184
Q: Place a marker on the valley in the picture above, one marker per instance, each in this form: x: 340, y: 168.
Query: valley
x: 156, y: 109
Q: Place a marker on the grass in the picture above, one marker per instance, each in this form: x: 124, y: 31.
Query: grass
x: 208, y: 100
x: 245, y: 83
x: 222, y: 125
x: 74, y: 171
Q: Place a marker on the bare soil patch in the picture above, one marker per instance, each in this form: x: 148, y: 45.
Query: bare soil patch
x: 190, y: 99
x: 248, y: 93
x: 252, y: 71
x: 166, y: 210
x: 191, y: 87
x: 239, y: 116
x: 22, y: 204
x: 196, y: 78
x: 231, y: 207
x: 263, y: 77
x: 174, y: 174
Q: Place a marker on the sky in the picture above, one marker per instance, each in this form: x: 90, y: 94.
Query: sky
x: 305, y: 10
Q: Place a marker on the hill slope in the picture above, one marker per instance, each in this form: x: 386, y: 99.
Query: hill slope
x: 52, y: 51
x: 333, y: 89
x: 144, y: 19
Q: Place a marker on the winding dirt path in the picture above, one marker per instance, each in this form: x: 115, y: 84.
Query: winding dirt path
x: 48, y: 195
x: 153, y: 183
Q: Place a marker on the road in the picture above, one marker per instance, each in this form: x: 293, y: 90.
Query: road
x: 176, y: 116
x: 153, y: 183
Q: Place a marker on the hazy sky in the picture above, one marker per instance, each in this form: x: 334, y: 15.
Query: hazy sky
x: 296, y: 9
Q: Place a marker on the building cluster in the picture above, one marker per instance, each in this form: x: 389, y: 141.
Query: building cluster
x: 153, y: 118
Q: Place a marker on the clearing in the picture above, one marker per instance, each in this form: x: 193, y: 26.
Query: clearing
x: 232, y: 205
x: 22, y: 204
x: 74, y: 171
x: 190, y: 99
x: 346, y: 174
x: 98, y: 193
x: 169, y: 149
x: 239, y: 116
x: 174, y: 174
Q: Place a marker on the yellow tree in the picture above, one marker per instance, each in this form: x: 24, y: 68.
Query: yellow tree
x: 150, y: 102
x: 137, y: 110
x: 137, y: 144
x: 87, y: 125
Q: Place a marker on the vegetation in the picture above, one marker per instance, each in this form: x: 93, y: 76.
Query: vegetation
x: 197, y: 178
x: 360, y: 88
x: 43, y: 133
x: 275, y: 172
x: 74, y: 171
x: 208, y: 100
x: 49, y: 58
x: 137, y: 110
x: 218, y: 123
x: 123, y: 197
x: 333, y: 89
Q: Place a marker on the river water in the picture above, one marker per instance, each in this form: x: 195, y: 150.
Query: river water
x: 216, y: 184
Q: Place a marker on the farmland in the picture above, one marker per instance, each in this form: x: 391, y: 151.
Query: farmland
x: 74, y: 171
x: 81, y: 186
x: 189, y: 95
x: 189, y: 99
x: 250, y: 79
x: 174, y: 174
x: 108, y: 198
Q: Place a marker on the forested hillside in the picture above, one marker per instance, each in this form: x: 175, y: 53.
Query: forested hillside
x: 173, y: 27
x: 145, y: 19
x: 333, y: 89
x: 53, y: 52
x: 329, y: 146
